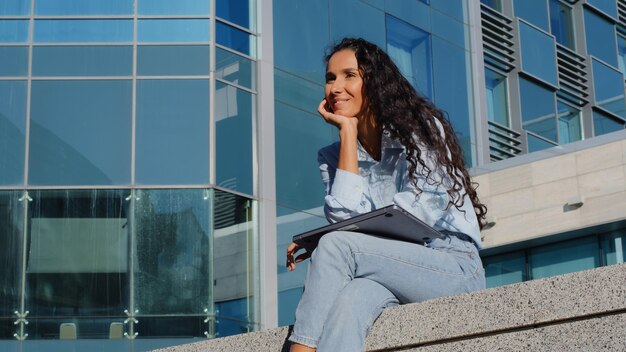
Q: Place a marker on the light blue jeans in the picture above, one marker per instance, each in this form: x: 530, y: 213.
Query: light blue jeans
x: 352, y: 277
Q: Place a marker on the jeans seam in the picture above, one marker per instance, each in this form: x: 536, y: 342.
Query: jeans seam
x: 414, y: 264
x: 382, y: 305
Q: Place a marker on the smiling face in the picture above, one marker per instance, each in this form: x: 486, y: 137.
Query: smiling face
x: 344, y: 85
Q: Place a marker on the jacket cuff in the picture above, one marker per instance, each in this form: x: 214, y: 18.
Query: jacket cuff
x: 347, y: 188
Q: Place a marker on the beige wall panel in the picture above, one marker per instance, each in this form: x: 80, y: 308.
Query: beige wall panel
x: 512, y: 203
x: 510, y: 179
x: 484, y: 186
x: 603, y: 182
x: 554, y: 194
x: 603, y: 209
x: 624, y: 152
x: 598, y: 158
x: 549, y: 170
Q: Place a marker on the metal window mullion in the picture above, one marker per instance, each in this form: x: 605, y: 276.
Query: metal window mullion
x: 211, y: 319
x: 234, y: 25
x: 229, y: 83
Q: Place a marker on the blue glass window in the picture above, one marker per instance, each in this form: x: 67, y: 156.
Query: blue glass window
x: 535, y: 12
x: 68, y: 31
x: 240, y: 12
x: 84, y: 7
x: 233, y: 124
x: 561, y: 25
x: 608, y: 7
x: 505, y: 269
x: 564, y: 257
x: 453, y: 8
x: 603, y: 124
x: 497, y: 97
x: 71, y: 122
x: 299, y: 93
x: 172, y: 132
x: 168, y: 7
x: 536, y: 143
x: 569, y: 123
x: 494, y: 4
x: 291, y: 54
x: 410, y: 49
x: 448, y: 28
x: 538, y: 109
x: 13, y: 61
x: 363, y: 21
x: 170, y: 30
x: 621, y: 54
x: 235, y: 68
x: 614, y: 247
x: 165, y: 60
x: 13, y: 31
x: 235, y: 39
x: 12, y: 131
x: 82, y: 60
x: 414, y: 12
x: 15, y: 7
x: 600, y: 38
x: 538, y: 53
x: 609, y: 88
x: 11, y: 246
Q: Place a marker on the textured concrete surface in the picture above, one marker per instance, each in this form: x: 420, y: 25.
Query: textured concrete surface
x: 577, y: 310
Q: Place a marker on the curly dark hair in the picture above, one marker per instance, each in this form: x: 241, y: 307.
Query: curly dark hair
x: 411, y: 119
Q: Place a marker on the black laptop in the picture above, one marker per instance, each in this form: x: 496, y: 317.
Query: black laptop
x: 391, y: 221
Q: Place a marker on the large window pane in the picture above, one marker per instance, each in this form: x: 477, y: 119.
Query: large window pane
x: 564, y: 257
x: 13, y: 61
x: 614, y: 247
x: 15, y: 7
x: 363, y: 21
x: 235, y: 68
x: 172, y: 132
x: 83, y: 7
x: 11, y: 238
x: 452, y: 8
x: 505, y: 269
x: 173, y: 30
x: 608, y: 7
x: 534, y: 11
x: 561, y: 24
x: 538, y: 53
x: 165, y: 60
x: 410, y: 49
x: 169, y: 7
x: 233, y: 123
x: 82, y: 60
x: 306, y: 61
x: 538, y: 109
x: 241, y: 12
x: 173, y: 251
x: 609, y: 88
x: 78, y: 260
x: 536, y: 144
x: 621, y: 54
x: 600, y: 38
x: 12, y: 131
x: 296, y: 92
x: 603, y: 124
x: 497, y: 97
x: 80, y: 132
x: 449, y: 28
x: 414, y: 12
x: 13, y: 31
x: 69, y: 31
x: 235, y: 39
x: 569, y: 123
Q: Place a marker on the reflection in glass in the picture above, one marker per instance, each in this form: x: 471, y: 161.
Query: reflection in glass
x: 363, y: 21
x: 177, y: 329
x: 15, y: 7
x: 156, y: 60
x: 173, y: 251
x: 621, y: 54
x: 82, y: 7
x: 12, y: 131
x: 172, y: 132
x: 78, y: 259
x: 497, y: 97
x: 233, y: 123
x: 173, y: 30
x: 410, y: 49
x: 449, y: 28
x: 569, y: 123
x: 535, y: 12
x: 70, y: 123
x: 538, y: 109
x: 69, y: 31
x: 413, y: 12
x: 234, y: 68
x: 168, y: 7
x: 235, y: 39
x: 240, y: 12
x: 608, y: 7
x: 11, y: 219
x: 538, y: 53
x: 505, y: 269
x: 564, y: 257
x: 452, y: 8
x: 609, y: 88
x: 603, y: 124
x: 561, y: 24
x: 299, y: 93
x: 494, y: 4
x: 614, y: 247
x: 536, y: 143
x: 82, y: 60
x: 13, y: 31
x: 600, y: 38
x: 13, y: 60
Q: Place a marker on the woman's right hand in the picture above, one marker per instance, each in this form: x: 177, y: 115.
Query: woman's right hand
x: 292, y: 249
x: 337, y: 120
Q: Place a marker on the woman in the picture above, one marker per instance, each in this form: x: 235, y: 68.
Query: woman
x: 394, y: 147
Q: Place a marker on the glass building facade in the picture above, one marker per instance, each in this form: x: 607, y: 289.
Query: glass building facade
x: 156, y: 157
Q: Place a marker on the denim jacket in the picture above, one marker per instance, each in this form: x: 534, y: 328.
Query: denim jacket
x: 384, y: 182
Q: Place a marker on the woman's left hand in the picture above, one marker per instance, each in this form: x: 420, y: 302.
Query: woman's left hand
x: 292, y: 249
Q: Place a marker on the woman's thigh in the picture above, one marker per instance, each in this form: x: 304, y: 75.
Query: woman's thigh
x: 413, y: 272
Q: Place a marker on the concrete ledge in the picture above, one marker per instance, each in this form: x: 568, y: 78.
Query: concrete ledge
x: 578, y: 311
